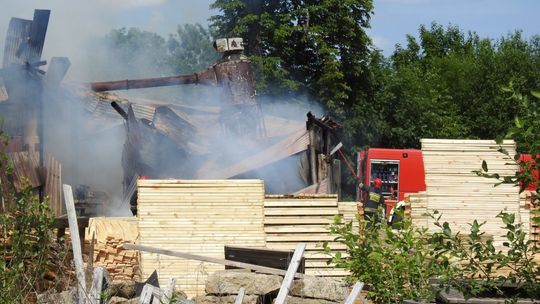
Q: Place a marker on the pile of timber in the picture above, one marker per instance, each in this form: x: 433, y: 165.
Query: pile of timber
x: 458, y: 193
x: 107, y: 235
x: 122, y: 264
x: 305, y: 218
x: 417, y: 204
x: 199, y: 217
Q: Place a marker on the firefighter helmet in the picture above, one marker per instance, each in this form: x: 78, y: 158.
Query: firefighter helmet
x: 377, y: 183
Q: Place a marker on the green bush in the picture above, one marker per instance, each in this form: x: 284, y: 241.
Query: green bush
x: 408, y: 263
x: 25, y: 239
x: 394, y: 264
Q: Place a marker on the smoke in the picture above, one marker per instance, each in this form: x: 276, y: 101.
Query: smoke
x: 75, y: 25
x: 89, y: 148
x: 89, y: 139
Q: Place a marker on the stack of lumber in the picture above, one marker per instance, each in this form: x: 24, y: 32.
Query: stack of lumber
x: 462, y: 196
x: 417, y: 204
x: 528, y: 213
x: 122, y: 264
x: 109, y: 234
x: 289, y: 220
x: 198, y: 217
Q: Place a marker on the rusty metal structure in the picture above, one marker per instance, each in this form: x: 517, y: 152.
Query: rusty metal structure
x: 233, y: 74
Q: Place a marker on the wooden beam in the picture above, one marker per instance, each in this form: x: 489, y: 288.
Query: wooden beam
x: 354, y: 293
x: 169, y: 291
x: 101, y: 277
x: 151, y: 295
x: 190, y: 256
x: 76, y: 244
x: 146, y: 294
x: 287, y: 281
x: 240, y: 296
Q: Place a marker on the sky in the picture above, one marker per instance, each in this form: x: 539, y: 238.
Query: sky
x: 74, y: 21
x: 394, y: 19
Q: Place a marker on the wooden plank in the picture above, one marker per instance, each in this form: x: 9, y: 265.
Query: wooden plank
x: 146, y: 294
x: 90, y: 264
x: 300, y: 203
x: 289, y: 276
x: 76, y: 244
x: 299, y: 237
x: 197, y: 183
x: 301, y: 196
x: 268, y: 220
x: 240, y: 296
x: 300, y: 211
x: 354, y: 293
x: 207, y: 259
x: 100, y: 278
x: 296, y: 229
x: 169, y: 291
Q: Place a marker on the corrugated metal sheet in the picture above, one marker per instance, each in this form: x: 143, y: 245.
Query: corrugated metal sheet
x: 99, y: 105
x: 17, y: 34
x: 38, y: 30
x: 25, y: 169
x: 319, y: 188
x: 53, y: 186
x: 25, y: 39
x: 293, y: 144
x: 199, y: 217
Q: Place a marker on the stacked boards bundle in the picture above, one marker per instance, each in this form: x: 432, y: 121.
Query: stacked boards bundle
x: 290, y: 219
x: 198, y: 217
x: 458, y: 193
x: 108, y: 234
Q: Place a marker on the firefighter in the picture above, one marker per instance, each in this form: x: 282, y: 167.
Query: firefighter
x: 374, y: 200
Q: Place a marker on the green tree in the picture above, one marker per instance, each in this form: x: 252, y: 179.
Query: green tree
x: 134, y: 53
x: 190, y: 50
x: 314, y: 47
x: 447, y: 84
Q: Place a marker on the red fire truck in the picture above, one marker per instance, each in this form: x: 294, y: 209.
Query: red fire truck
x: 401, y: 171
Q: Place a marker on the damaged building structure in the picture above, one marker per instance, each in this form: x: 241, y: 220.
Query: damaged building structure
x: 233, y: 141
x: 50, y: 124
x: 24, y: 87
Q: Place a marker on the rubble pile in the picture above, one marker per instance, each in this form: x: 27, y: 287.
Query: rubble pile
x: 223, y: 286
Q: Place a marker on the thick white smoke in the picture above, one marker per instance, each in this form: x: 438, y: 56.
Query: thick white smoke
x: 91, y: 152
x: 74, y: 23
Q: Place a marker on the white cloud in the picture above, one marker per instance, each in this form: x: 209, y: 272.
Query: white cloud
x: 381, y: 43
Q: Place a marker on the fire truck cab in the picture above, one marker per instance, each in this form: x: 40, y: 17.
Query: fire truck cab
x: 401, y: 171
